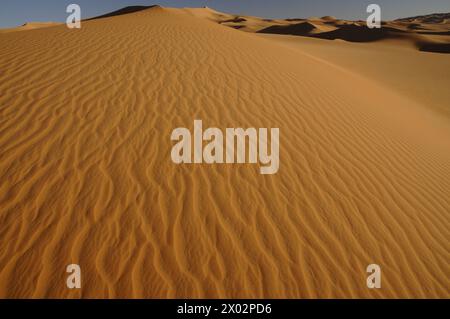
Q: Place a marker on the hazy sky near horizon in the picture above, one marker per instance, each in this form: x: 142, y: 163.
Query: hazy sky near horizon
x: 17, y: 12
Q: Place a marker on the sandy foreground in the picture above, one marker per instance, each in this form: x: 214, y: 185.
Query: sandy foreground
x: 86, y: 175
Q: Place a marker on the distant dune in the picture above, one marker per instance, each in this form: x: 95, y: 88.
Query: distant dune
x: 86, y: 176
x: 302, y: 28
x: 30, y: 26
x: 430, y: 18
x: 424, y: 32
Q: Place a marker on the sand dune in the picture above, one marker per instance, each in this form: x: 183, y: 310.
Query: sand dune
x: 30, y: 26
x: 419, y: 76
x: 423, y: 32
x: 126, y: 10
x: 429, y: 18
x: 86, y: 177
x: 302, y: 28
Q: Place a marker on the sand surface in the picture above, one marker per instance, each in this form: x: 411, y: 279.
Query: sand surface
x: 396, y: 65
x: 86, y: 176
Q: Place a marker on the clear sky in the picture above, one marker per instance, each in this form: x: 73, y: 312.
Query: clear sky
x: 17, y: 12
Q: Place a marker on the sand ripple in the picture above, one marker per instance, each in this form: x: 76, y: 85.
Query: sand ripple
x: 86, y: 175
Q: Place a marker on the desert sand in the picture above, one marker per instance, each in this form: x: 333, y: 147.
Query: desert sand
x: 30, y: 26
x: 86, y: 177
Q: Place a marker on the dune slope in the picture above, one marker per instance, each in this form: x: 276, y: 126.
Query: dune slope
x: 422, y: 77
x: 30, y: 26
x: 86, y: 176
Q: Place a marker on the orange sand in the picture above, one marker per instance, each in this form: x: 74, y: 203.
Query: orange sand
x: 86, y: 176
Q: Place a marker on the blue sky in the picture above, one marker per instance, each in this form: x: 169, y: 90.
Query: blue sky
x: 17, y: 12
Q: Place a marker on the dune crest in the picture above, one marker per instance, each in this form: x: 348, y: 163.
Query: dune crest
x: 127, y: 10
x: 30, y: 26
x: 424, y: 32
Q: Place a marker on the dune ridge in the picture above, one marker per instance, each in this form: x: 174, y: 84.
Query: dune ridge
x: 30, y: 26
x: 429, y: 18
x: 424, y: 32
x: 86, y: 175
